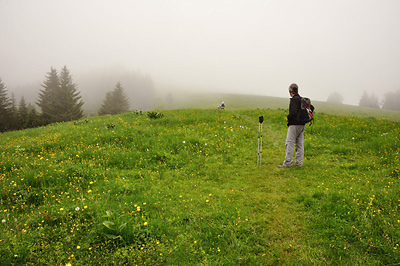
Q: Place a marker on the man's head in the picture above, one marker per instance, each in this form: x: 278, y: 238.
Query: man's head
x: 293, y: 89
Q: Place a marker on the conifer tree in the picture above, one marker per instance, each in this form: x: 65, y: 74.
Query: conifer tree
x: 116, y: 102
x: 5, y: 105
x: 59, y: 100
x: 22, y: 114
x: 369, y: 101
x: 13, y: 123
x: 107, y: 105
x: 48, y: 97
x: 69, y: 98
x: 33, y: 119
x: 335, y: 97
x: 121, y: 99
x: 392, y: 101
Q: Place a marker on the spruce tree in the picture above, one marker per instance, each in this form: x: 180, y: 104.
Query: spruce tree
x: 120, y: 99
x: 335, y: 97
x: 107, y: 105
x: 13, y: 124
x: 33, y: 119
x: 116, y: 102
x: 369, y: 101
x: 5, y: 105
x: 392, y: 101
x: 60, y: 100
x: 48, y: 97
x: 22, y: 114
x: 69, y: 98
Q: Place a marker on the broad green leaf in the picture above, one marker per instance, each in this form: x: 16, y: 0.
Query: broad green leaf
x: 108, y: 224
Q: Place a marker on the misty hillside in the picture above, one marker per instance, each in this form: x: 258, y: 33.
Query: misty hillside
x: 139, y: 88
x: 93, y: 86
x: 242, y: 101
x: 144, y: 95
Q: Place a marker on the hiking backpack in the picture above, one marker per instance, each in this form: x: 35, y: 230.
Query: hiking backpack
x: 306, y: 111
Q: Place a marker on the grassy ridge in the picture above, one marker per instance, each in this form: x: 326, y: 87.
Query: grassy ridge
x: 238, y: 101
x: 185, y: 190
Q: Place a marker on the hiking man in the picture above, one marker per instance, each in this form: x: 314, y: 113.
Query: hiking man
x: 295, y: 133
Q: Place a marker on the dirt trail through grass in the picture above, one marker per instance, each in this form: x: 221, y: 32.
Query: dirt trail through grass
x: 279, y: 213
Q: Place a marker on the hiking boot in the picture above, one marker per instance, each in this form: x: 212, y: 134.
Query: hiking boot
x: 283, y: 166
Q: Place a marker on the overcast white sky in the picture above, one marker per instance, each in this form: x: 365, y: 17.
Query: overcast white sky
x: 247, y: 46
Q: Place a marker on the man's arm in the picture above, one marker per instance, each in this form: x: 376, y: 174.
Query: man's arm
x: 292, y: 110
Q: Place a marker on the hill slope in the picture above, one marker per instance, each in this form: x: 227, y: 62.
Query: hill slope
x: 240, y: 101
x: 185, y: 189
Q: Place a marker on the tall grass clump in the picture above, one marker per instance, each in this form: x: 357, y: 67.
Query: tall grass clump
x: 182, y: 187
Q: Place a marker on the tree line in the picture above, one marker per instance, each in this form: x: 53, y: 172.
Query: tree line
x: 391, y: 100
x: 59, y: 101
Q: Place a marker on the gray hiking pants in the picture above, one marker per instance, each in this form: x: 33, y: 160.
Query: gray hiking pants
x: 294, y: 139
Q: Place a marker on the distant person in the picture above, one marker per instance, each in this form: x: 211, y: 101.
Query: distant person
x: 222, y: 106
x: 295, y: 133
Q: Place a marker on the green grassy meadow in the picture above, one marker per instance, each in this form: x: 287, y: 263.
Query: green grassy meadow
x: 245, y: 102
x: 185, y: 189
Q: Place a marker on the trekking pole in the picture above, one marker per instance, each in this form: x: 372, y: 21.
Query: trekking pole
x: 258, y: 152
x: 259, y: 156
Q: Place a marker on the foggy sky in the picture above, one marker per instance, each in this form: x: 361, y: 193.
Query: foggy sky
x: 242, y: 46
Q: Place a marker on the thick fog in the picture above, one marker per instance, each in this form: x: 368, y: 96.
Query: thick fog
x: 254, y: 47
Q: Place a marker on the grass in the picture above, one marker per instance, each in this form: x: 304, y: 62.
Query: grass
x: 240, y: 102
x: 182, y: 188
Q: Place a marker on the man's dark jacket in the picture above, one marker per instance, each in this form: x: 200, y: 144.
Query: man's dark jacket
x: 294, y: 109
